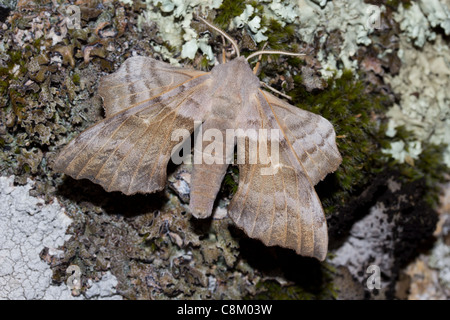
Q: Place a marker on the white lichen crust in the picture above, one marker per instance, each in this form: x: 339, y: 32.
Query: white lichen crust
x: 27, y: 226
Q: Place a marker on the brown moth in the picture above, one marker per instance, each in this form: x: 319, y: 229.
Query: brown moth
x: 146, y: 100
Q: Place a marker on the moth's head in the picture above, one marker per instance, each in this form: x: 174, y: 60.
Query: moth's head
x: 234, y: 72
x: 236, y: 65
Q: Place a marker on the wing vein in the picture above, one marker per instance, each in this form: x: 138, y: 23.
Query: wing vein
x: 320, y: 150
x: 114, y: 151
x: 273, y: 210
x: 285, y: 209
x: 103, y: 146
x: 300, y: 231
x: 287, y: 140
x: 257, y: 210
x: 84, y: 147
x: 252, y: 169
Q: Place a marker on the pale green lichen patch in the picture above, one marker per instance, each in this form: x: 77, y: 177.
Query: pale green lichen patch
x: 173, y: 20
x: 251, y: 20
x: 419, y: 20
x: 423, y: 108
x: 404, y: 152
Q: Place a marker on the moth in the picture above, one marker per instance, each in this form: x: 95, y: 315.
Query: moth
x: 146, y: 100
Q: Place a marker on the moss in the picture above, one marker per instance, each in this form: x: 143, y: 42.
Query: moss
x: 230, y: 181
x: 257, y: 5
x: 26, y: 168
x: 3, y: 87
x: 76, y: 79
x: 204, y: 64
x: 37, y: 44
x: 279, y: 37
x: 15, y: 57
x: 395, y: 3
x: 272, y: 290
x: 227, y: 11
x: 4, y: 71
x: 431, y: 168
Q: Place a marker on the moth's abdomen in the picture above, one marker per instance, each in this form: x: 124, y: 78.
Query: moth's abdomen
x: 211, y: 156
x: 205, y: 184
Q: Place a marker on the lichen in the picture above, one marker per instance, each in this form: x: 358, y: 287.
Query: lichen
x: 27, y: 226
x: 173, y: 19
x: 418, y: 20
x: 422, y: 108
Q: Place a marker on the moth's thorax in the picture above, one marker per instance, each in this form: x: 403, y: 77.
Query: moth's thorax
x: 234, y: 85
x: 235, y: 73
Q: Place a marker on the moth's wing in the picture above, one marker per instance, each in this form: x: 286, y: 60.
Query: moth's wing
x: 129, y: 150
x: 139, y: 79
x: 283, y: 208
x: 312, y: 138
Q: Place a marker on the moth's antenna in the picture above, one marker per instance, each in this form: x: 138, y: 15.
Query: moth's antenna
x: 275, y: 90
x: 257, y: 53
x: 255, y: 69
x: 233, y: 43
x: 224, y: 59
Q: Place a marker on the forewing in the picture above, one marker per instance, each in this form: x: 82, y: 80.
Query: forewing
x: 283, y: 208
x: 139, y: 79
x: 129, y: 150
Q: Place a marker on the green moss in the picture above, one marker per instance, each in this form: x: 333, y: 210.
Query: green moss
x: 37, y: 44
x: 257, y: 5
x: 4, y: 87
x: 76, y: 79
x: 431, y: 169
x: 230, y: 181
x: 279, y: 37
x: 4, y: 71
x: 395, y: 3
x: 227, y: 11
x: 204, y: 64
x: 26, y: 168
x: 16, y: 57
x: 272, y: 290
